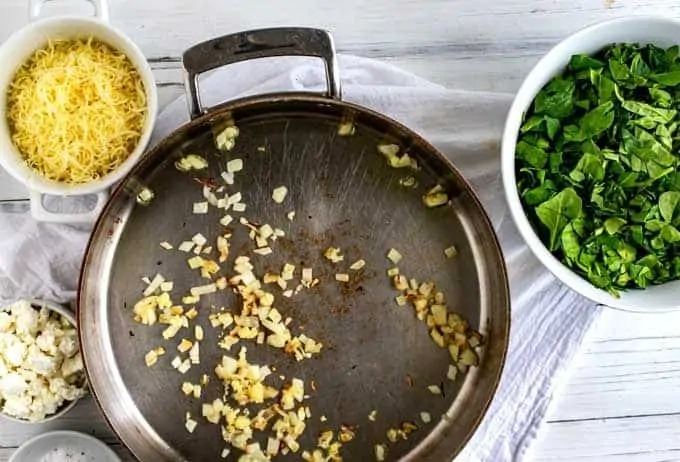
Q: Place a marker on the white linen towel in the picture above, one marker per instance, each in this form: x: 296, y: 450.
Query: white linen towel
x: 548, y: 320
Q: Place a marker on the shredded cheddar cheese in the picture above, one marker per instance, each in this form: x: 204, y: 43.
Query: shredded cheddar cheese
x: 76, y: 110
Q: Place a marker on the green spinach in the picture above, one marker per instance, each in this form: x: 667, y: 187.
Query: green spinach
x: 597, y: 164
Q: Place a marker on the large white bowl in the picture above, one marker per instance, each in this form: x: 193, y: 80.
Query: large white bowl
x: 664, y: 32
x: 14, y: 52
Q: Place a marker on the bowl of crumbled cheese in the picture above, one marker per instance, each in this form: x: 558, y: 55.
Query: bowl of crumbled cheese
x: 78, y: 103
x: 41, y: 368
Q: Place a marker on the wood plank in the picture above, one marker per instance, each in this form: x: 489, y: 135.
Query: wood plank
x: 620, y: 401
x: 85, y: 417
x: 456, y: 44
x: 648, y: 439
x: 629, y: 366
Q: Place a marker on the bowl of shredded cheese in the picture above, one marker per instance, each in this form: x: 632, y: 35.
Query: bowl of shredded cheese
x: 79, y: 102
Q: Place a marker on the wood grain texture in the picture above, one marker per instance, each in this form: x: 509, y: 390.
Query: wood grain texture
x: 85, y: 417
x: 639, y: 439
x: 620, y: 402
x: 488, y: 45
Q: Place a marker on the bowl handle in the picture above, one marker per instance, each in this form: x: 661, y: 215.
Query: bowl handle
x: 40, y: 213
x: 101, y: 9
x: 255, y: 44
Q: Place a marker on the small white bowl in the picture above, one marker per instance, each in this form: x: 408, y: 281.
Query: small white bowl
x: 67, y: 406
x: 14, y: 52
x: 663, y: 32
x: 83, y: 447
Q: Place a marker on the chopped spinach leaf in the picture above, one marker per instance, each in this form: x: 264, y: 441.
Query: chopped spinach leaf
x: 597, y: 164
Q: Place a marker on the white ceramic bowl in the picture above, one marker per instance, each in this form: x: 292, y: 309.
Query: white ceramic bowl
x: 664, y: 32
x: 64, y: 445
x: 14, y: 52
x: 67, y: 406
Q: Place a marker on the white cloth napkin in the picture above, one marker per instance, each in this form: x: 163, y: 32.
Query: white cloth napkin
x: 548, y: 321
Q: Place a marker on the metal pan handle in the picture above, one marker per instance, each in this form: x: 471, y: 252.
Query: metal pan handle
x: 262, y: 43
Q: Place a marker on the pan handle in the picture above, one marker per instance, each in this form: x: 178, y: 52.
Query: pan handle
x: 254, y: 44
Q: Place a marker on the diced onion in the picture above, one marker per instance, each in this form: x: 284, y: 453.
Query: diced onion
x: 379, y: 452
x: 145, y: 196
x: 234, y: 165
x: 154, y: 285
x: 191, y: 425
x: 357, y: 265
x: 434, y: 389
x: 346, y: 128
x: 451, y: 252
x: 228, y: 177
x: 199, y: 239
x: 263, y: 251
x: 394, y: 256
x: 234, y: 198
x: 203, y: 290
x: 452, y: 373
x: 191, y: 162
x: 186, y: 246
x: 200, y: 208
x: 279, y: 194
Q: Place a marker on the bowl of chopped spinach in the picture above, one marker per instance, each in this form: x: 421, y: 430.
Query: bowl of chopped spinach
x: 591, y: 162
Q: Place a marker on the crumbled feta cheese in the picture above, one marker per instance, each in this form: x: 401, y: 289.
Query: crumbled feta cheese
x: 40, y: 367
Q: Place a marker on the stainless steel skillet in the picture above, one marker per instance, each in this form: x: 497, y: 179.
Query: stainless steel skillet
x: 376, y: 356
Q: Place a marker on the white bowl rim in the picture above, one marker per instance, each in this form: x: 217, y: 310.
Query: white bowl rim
x: 66, y: 434
x: 509, y: 137
x: 142, y: 66
x: 66, y: 407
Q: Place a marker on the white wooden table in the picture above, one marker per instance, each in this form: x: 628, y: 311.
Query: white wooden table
x: 621, y: 401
